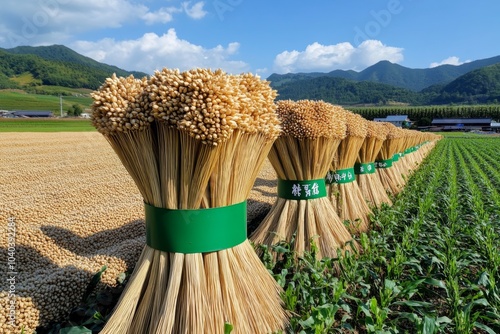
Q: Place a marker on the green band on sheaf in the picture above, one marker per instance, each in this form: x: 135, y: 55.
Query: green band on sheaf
x: 366, y: 168
x: 383, y: 163
x: 301, y: 189
x: 196, y: 231
x: 395, y: 157
x: 410, y: 150
x: 341, y: 176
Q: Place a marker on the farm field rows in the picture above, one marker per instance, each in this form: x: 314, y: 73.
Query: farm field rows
x: 430, y: 264
x: 15, y: 99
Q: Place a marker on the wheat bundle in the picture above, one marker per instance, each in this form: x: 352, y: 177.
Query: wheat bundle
x: 399, y: 165
x: 344, y: 190
x: 301, y: 157
x: 427, y: 142
x: 403, y: 164
x: 410, y: 159
x: 119, y: 114
x: 369, y: 183
x: 198, y: 269
x: 384, y: 161
x: 420, y: 143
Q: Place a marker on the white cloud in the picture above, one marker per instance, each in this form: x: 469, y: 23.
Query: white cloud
x: 163, y: 15
x: 449, y: 61
x: 196, y: 11
x: 323, y: 58
x: 45, y: 22
x: 151, y: 52
x: 261, y: 71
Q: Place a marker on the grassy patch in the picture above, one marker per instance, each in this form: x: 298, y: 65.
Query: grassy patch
x: 19, y: 100
x: 56, y: 90
x: 45, y: 125
x: 25, y: 79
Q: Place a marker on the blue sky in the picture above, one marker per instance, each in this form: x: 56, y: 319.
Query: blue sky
x: 262, y: 37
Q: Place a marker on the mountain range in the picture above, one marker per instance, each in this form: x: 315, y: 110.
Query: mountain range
x: 385, y: 82
x: 32, y: 68
x: 393, y: 74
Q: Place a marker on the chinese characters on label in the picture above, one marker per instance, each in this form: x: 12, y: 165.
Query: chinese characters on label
x: 340, y: 176
x: 344, y: 176
x: 365, y: 169
x: 311, y: 189
x: 330, y: 177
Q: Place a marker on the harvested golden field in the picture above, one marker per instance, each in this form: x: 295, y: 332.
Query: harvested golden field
x: 70, y: 207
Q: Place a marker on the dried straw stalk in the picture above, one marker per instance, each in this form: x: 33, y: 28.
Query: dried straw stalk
x: 403, y: 165
x: 347, y: 197
x: 399, y: 165
x: 389, y: 148
x: 369, y: 184
x: 414, y: 157
x: 120, y: 115
x: 312, y: 131
x: 409, y: 160
x: 209, y: 127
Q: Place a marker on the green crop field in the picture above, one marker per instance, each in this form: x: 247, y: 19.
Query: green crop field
x: 19, y: 100
x: 430, y: 264
x: 44, y: 125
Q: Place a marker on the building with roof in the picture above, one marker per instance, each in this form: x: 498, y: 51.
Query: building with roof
x: 495, y: 126
x: 461, y: 124
x: 397, y: 120
x: 32, y: 113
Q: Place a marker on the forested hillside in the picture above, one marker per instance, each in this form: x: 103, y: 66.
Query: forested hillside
x: 54, y: 66
x: 343, y: 91
x: 481, y: 86
x: 478, y: 86
x: 414, y: 79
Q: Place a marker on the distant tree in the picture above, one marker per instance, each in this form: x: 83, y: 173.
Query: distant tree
x: 75, y: 110
x: 425, y: 121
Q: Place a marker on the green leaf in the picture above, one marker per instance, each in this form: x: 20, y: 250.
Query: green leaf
x: 429, y: 325
x: 228, y: 328
x: 363, y: 308
x: 308, y: 323
x: 484, y: 328
x: 410, y: 316
x: 436, y: 283
x: 75, y: 330
x: 388, y: 284
x: 280, y: 249
x: 93, y: 283
x: 412, y: 303
x: 444, y: 320
x: 373, y: 305
x: 481, y: 301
